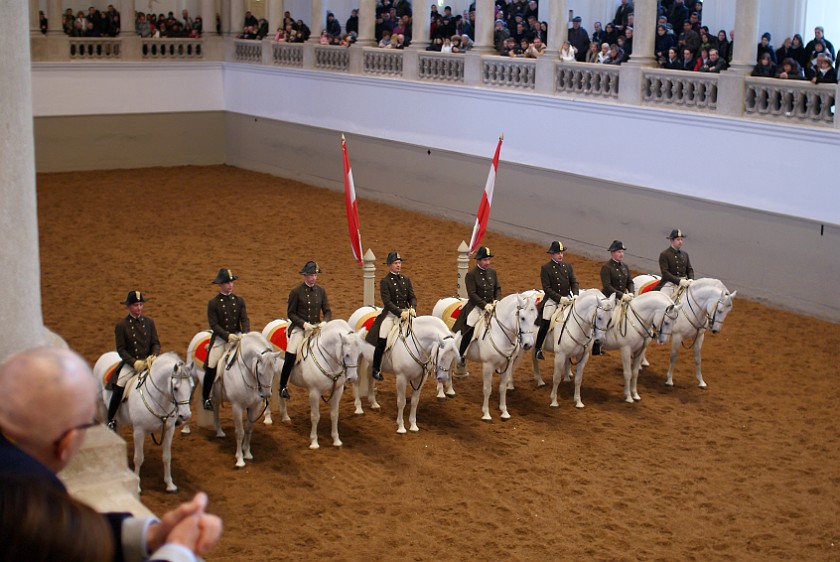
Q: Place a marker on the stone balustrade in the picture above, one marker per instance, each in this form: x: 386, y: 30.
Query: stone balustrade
x: 780, y: 101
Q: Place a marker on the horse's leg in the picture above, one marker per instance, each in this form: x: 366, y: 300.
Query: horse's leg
x: 582, y: 360
x: 139, y: 435
x: 487, y: 372
x: 412, y: 415
x: 335, y: 402
x: 267, y: 416
x: 636, y: 367
x: 166, y: 453
x: 446, y: 390
x: 250, y: 417
x: 240, y: 432
x: 698, y: 344
x: 538, y: 377
x: 676, y: 342
x: 401, y: 386
x: 557, y: 375
x: 217, y: 404
x: 626, y: 366
x: 357, y: 397
x: 504, y: 381
x: 314, y: 416
x: 644, y: 358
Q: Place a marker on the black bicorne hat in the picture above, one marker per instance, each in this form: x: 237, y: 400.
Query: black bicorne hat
x: 556, y: 247
x: 310, y: 268
x: 134, y: 297
x: 483, y: 252
x: 392, y: 257
x: 676, y: 233
x: 616, y: 245
x: 224, y: 276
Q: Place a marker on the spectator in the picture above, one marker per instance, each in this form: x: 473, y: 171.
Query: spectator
x: 351, y: 26
x: 280, y: 35
x: 824, y: 72
x: 188, y: 22
x: 672, y: 60
x: 250, y: 20
x: 142, y: 28
x: 592, y: 53
x: 604, y: 54
x: 819, y: 36
x: 694, y: 20
x: 701, y: 60
x: 510, y: 48
x: 783, y: 52
x: 262, y: 29
x: 624, y: 9
x: 403, y: 8
x: 789, y: 70
x: 532, y: 9
x: 467, y: 44
x: 797, y: 51
x: 715, y: 64
x: 446, y: 47
x: 707, y: 41
x: 324, y: 38
x: 819, y: 49
x: 333, y: 28
x: 42, y: 21
x: 765, y: 67
x: 568, y: 53
x: 303, y: 31
x: 663, y: 42
x: 500, y: 33
x: 385, y: 42
x: 579, y: 39
x: 689, y: 39
x: 628, y: 41
x: 616, y: 55
x: 435, y: 44
x: 198, y: 27
x: 678, y: 14
x: 764, y: 46
x: 688, y: 62
x: 598, y: 35
x: 724, y: 47
x: 610, y: 33
x: 536, y: 49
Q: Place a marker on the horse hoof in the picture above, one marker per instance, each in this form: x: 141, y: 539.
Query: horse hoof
x: 554, y: 405
x: 441, y: 395
x: 220, y: 434
x: 375, y: 406
x: 185, y: 430
x: 172, y: 490
x: 637, y: 398
x: 579, y: 405
x: 314, y: 446
x: 359, y: 412
x: 401, y: 430
x: 505, y: 416
x: 337, y: 443
x: 629, y: 400
x: 249, y: 457
x: 240, y: 464
x: 669, y: 383
x: 486, y: 417
x: 540, y: 384
x: 702, y: 385
x: 414, y: 428
x: 645, y: 363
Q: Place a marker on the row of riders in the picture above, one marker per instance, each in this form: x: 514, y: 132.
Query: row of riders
x: 572, y: 323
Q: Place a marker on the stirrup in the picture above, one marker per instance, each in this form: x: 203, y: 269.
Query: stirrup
x: 377, y: 374
x: 112, y: 425
x: 284, y: 393
x: 539, y: 354
x: 462, y: 360
x: 208, y: 405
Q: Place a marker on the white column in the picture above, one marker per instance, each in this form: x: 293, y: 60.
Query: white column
x: 20, y: 299
x: 53, y: 17
x: 208, y: 17
x: 237, y: 16
x: 369, y: 279
x: 644, y: 32
x: 558, y: 27
x: 318, y: 18
x: 275, y: 15
x: 463, y: 265
x: 127, y: 17
x: 420, y: 25
x: 367, y: 23
x: 484, y: 12
x: 746, y: 36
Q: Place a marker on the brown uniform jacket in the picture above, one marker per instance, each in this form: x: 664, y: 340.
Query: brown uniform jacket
x: 306, y: 304
x: 136, y: 338
x: 615, y: 277
x: 674, y: 264
x: 226, y: 314
x: 558, y: 280
x: 482, y: 289
x: 397, y: 294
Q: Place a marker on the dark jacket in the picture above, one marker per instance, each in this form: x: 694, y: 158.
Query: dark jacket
x: 306, y: 305
x: 226, y: 314
x: 579, y: 39
x: 482, y: 289
x: 558, y: 280
x: 673, y: 265
x: 136, y: 338
x: 397, y: 294
x: 615, y: 278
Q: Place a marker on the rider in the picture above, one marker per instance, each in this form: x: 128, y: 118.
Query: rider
x: 398, y: 301
x: 674, y: 263
x: 137, y: 346
x: 228, y: 319
x: 558, y: 282
x: 484, y: 291
x: 306, y: 303
x: 615, y: 278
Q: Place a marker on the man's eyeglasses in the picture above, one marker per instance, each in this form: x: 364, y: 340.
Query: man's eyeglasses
x: 94, y: 422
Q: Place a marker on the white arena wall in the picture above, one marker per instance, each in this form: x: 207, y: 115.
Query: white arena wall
x: 580, y: 171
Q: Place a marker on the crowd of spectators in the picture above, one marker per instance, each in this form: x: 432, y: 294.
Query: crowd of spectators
x: 96, y: 23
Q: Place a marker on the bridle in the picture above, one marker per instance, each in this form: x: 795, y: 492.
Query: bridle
x: 423, y: 360
x: 513, y: 336
x: 179, y: 372
x: 330, y: 374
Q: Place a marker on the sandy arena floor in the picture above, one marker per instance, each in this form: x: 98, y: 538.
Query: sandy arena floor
x: 748, y: 469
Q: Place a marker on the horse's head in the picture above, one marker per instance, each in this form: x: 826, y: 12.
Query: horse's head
x: 603, y: 316
x: 526, y: 317
x: 722, y: 307
x: 664, y: 327
x: 351, y: 350
x: 447, y: 354
x: 261, y: 359
x: 168, y: 369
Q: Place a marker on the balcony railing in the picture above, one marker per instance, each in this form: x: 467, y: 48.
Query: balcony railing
x: 780, y: 101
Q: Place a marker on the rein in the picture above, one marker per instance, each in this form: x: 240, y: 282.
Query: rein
x: 164, y: 417
x: 236, y: 357
x: 645, y: 332
x: 517, y: 331
x: 316, y: 342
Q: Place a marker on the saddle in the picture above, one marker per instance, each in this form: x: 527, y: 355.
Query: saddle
x: 395, y: 331
x: 560, y: 314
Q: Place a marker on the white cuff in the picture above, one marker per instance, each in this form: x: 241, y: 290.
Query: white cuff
x: 171, y: 552
x: 134, y: 533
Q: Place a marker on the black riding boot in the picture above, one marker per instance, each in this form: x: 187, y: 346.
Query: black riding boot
x: 544, y: 324
x: 596, y: 348
x: 377, y: 359
x: 466, y: 337
x: 207, y: 387
x: 114, y: 405
x: 288, y: 364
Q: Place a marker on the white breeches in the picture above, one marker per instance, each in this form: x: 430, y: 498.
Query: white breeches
x: 387, y: 325
x: 548, y: 309
x: 126, y: 372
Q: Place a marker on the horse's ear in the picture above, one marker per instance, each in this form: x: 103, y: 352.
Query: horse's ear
x: 732, y: 294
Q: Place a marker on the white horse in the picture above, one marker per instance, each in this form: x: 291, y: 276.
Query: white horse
x: 633, y: 325
x: 570, y: 339
x: 326, y: 361
x: 423, y: 346
x: 500, y: 339
x: 705, y: 304
x: 155, y: 402
x: 246, y: 370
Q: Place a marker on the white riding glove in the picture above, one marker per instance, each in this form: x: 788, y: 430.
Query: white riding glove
x: 149, y: 360
x: 404, y: 315
x: 307, y: 327
x: 322, y: 325
x: 488, y: 308
x: 685, y: 282
x: 626, y: 297
x: 412, y: 312
x: 233, y: 338
x: 139, y: 365
x: 564, y: 301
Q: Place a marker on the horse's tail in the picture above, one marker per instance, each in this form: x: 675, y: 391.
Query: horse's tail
x: 365, y: 379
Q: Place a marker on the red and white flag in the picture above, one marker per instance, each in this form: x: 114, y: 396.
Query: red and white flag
x: 483, y: 214
x: 352, y: 209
